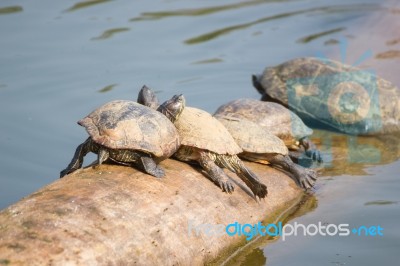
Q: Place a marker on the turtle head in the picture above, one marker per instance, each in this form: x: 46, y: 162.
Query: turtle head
x: 148, y: 98
x: 173, y: 107
x: 257, y: 84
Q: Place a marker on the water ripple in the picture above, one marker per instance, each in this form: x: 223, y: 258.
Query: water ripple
x: 380, y: 202
x: 208, y: 61
x: 314, y: 36
x: 84, y: 4
x: 107, y: 88
x: 10, y: 9
x: 325, y: 9
x: 109, y: 33
x: 201, y: 11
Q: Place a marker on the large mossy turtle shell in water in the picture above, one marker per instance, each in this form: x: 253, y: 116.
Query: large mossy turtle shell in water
x: 128, y: 125
x: 199, y: 129
x: 326, y: 92
x: 275, y: 118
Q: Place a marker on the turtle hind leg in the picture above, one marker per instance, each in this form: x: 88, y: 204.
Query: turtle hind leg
x: 304, y: 177
x: 102, y: 156
x: 234, y: 164
x: 77, y: 160
x: 148, y: 165
x: 215, y: 173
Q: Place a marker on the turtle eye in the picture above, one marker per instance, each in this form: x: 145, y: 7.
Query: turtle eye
x: 182, y: 99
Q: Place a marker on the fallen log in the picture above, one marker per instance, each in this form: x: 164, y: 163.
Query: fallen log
x: 117, y: 215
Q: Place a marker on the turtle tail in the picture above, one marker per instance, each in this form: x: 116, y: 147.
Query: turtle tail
x: 234, y: 164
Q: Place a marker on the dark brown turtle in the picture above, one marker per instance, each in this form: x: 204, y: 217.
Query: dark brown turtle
x: 260, y: 146
x: 206, y: 141
x: 130, y: 134
x: 330, y: 94
x: 276, y: 119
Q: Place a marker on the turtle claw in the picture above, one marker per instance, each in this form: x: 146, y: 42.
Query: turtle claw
x: 150, y: 167
x: 226, y: 186
x: 307, y: 180
x: 65, y: 172
x: 158, y: 172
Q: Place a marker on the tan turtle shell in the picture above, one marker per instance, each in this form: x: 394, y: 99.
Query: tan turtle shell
x: 199, y: 129
x: 124, y: 124
x: 253, y: 138
x: 275, y: 118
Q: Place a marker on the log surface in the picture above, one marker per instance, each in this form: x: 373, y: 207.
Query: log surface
x: 118, y: 215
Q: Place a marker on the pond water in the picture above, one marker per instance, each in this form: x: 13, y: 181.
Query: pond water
x: 61, y: 59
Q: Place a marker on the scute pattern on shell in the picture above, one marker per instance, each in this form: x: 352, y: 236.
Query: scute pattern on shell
x: 274, y: 117
x: 199, y: 129
x: 124, y: 124
x: 253, y: 138
x: 377, y: 97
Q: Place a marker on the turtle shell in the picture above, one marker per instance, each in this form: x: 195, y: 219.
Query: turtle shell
x: 124, y: 124
x: 330, y: 93
x: 275, y: 118
x: 199, y: 129
x: 253, y: 138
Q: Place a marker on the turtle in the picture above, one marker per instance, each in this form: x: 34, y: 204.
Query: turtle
x: 206, y: 141
x: 130, y: 134
x: 331, y: 95
x: 278, y: 120
x: 259, y: 145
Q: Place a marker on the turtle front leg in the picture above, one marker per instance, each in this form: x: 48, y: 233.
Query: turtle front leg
x: 304, y: 177
x: 300, y: 157
x: 147, y: 164
x: 215, y: 173
x: 311, y: 149
x: 77, y: 160
x: 234, y: 164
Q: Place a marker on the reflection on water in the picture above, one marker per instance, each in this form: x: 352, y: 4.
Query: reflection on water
x: 200, y: 11
x: 208, y: 61
x: 392, y: 42
x: 325, y: 9
x: 110, y: 32
x: 184, y: 81
x: 107, y: 88
x: 314, y: 36
x: 251, y: 253
x: 351, y: 155
x: 217, y: 33
x: 87, y: 3
x: 380, y: 202
x: 388, y: 54
x: 10, y: 9
x: 331, y: 42
x: 368, y: 200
